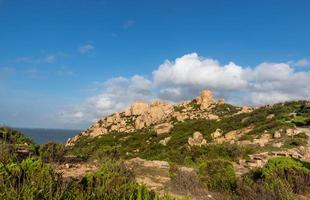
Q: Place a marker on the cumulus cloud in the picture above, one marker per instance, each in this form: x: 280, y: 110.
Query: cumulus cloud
x: 192, y: 70
x: 116, y: 94
x: 183, y: 78
x: 274, y: 82
x: 86, y: 48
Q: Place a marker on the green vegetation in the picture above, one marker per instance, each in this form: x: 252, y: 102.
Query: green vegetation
x: 301, y: 120
x: 52, y: 152
x: 225, y: 109
x: 32, y: 179
x: 26, y: 169
x: 281, y: 178
x: 11, y: 136
x: 218, y: 175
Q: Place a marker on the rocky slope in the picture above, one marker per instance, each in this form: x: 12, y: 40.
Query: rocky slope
x: 159, y: 116
x: 206, y: 141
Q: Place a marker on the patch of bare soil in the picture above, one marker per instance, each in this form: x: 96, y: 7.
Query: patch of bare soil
x: 178, y: 182
x: 75, y: 171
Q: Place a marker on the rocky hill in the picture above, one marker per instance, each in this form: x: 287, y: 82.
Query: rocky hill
x: 202, y: 140
x: 161, y: 116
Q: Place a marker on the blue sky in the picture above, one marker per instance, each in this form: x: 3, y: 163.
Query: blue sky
x: 61, y: 60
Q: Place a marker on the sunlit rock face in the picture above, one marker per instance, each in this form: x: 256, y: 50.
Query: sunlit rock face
x: 158, y: 115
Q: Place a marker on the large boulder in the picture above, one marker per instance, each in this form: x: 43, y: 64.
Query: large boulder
x: 197, y: 139
x: 156, y: 112
x: 163, y: 128
x: 138, y: 108
x: 217, y: 133
x: 205, y: 99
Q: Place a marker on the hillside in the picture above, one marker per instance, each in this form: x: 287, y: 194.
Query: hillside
x: 159, y: 130
x: 197, y: 134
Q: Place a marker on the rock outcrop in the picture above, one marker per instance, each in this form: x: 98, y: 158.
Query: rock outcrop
x: 163, y: 128
x: 205, y: 99
x: 152, y: 114
x: 158, y: 115
x: 197, y: 139
x: 165, y: 141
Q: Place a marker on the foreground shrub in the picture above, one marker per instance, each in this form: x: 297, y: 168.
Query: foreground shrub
x: 52, y: 152
x: 186, y: 182
x: 281, y: 178
x: 218, y: 175
x: 112, y: 181
x: 31, y: 179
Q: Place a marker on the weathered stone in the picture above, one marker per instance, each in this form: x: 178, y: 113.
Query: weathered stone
x: 263, y: 140
x: 277, y: 145
x: 156, y: 112
x: 277, y: 134
x: 217, y: 133
x: 212, y: 117
x: 138, y: 108
x: 197, y: 139
x: 165, y: 141
x: 163, y: 128
x: 221, y: 101
x: 271, y: 116
x: 205, y: 99
x: 289, y: 132
x: 245, y: 109
x: 232, y: 135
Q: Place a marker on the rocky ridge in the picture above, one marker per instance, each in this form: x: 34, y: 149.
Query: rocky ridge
x: 158, y: 115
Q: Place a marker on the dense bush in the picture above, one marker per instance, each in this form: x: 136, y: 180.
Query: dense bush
x: 112, y: 181
x: 218, y: 175
x: 52, y: 152
x: 281, y: 178
x: 295, y: 141
x: 186, y: 182
x: 10, y: 136
x: 31, y: 179
x: 301, y: 120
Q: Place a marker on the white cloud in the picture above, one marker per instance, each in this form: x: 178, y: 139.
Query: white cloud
x: 300, y: 63
x: 183, y: 79
x: 192, y: 70
x: 116, y: 94
x: 265, y: 83
x: 85, y: 48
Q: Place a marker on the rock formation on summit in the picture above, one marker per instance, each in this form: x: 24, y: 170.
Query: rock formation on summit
x: 205, y: 99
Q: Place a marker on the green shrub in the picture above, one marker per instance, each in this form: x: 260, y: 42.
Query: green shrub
x: 52, y: 152
x: 218, y: 175
x: 295, y: 142
x: 302, y: 135
x: 280, y: 178
x: 12, y: 136
x: 301, y: 120
x: 32, y: 179
x: 112, y: 181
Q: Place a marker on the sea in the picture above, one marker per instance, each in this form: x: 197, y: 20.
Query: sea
x: 43, y: 136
